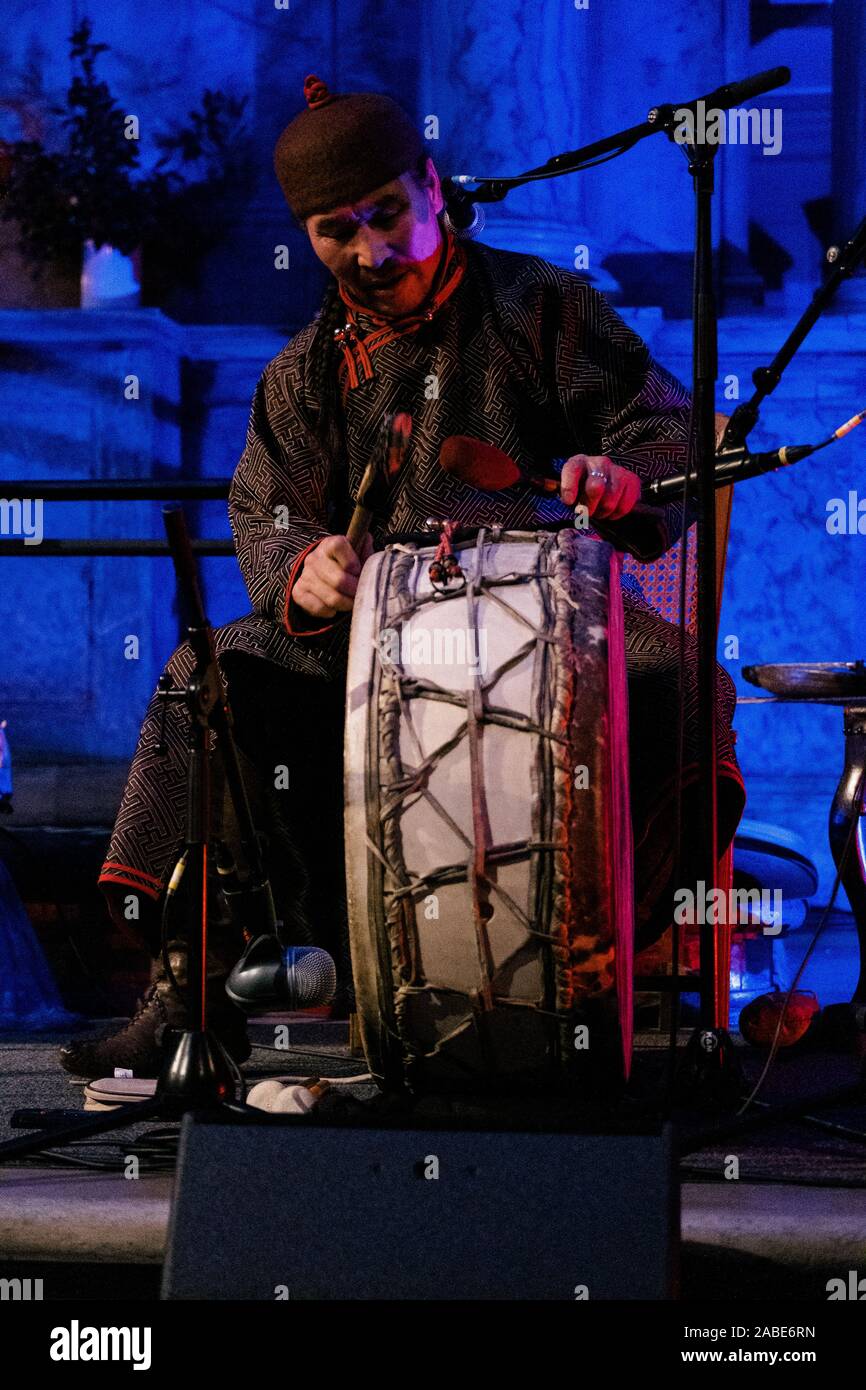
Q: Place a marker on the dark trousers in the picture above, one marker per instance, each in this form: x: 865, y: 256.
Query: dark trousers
x: 289, y: 731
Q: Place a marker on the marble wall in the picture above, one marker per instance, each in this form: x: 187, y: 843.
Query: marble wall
x: 84, y: 639
x: 509, y: 85
x: 793, y: 586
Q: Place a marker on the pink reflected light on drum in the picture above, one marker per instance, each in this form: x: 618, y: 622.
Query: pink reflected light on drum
x: 488, y: 826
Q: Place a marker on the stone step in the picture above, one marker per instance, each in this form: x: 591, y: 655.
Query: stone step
x: 63, y: 794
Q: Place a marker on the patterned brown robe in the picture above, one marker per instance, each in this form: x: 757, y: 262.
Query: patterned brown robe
x: 522, y: 355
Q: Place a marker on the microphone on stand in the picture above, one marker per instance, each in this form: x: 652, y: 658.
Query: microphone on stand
x: 488, y: 468
x: 739, y: 464
x: 270, y: 975
x: 463, y: 216
x: 731, y: 468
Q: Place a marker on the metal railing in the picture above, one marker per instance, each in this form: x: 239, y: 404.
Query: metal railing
x: 113, y: 490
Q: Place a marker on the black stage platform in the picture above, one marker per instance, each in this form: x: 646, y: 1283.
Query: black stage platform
x: 794, y: 1218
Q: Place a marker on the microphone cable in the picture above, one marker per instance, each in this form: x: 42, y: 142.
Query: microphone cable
x: 673, y: 1033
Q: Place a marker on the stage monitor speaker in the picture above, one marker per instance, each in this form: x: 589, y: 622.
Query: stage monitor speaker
x: 316, y: 1212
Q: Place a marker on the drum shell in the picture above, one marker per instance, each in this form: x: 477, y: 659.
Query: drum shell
x: 445, y: 1002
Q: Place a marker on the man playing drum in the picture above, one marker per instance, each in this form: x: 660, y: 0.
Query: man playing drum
x: 472, y: 341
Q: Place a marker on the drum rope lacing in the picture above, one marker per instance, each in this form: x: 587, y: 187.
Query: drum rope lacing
x: 396, y: 793
x: 398, y: 789
x: 408, y: 1005
x: 418, y: 884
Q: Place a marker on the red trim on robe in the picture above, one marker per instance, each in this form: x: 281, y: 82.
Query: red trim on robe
x: 131, y: 878
x: 357, y: 345
x: 293, y: 575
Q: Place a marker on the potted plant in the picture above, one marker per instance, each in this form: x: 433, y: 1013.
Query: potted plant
x: 86, y: 205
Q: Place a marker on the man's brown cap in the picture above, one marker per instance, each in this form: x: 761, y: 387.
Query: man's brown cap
x: 342, y: 147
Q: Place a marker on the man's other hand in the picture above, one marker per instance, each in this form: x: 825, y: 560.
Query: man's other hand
x: 607, y: 490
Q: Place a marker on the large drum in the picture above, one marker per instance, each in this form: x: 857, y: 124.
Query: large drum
x: 488, y: 829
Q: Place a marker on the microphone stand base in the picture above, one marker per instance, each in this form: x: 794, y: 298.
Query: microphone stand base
x: 710, y: 1075
x: 197, y: 1075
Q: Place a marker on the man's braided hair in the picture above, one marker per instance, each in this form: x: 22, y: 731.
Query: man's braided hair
x: 323, y: 371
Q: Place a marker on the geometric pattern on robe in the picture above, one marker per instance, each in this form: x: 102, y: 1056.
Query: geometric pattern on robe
x: 547, y: 370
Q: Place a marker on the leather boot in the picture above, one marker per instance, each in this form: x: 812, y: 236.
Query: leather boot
x: 137, y: 1045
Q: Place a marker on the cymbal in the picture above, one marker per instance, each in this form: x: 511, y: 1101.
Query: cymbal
x: 805, y: 680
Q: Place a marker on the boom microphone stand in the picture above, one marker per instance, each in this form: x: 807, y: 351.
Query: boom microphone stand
x: 845, y: 260
x: 197, y: 1073
x: 709, y: 1055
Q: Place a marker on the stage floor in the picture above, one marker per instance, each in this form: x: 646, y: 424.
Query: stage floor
x: 795, y: 1218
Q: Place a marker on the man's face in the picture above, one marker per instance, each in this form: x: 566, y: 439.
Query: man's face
x: 384, y: 248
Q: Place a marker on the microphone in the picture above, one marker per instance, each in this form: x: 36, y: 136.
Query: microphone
x: 732, y: 468
x: 733, y: 93
x: 270, y: 976
x: 311, y: 976
x: 463, y: 216
x: 725, y: 97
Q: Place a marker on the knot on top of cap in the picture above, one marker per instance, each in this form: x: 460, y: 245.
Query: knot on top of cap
x: 316, y: 92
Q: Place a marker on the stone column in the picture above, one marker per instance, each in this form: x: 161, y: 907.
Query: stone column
x: 849, y: 134
x: 516, y: 84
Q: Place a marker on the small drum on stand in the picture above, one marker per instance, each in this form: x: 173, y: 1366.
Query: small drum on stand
x: 488, y: 825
